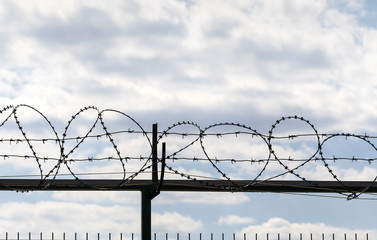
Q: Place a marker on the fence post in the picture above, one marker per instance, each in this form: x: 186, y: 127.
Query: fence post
x: 148, y: 193
x: 146, y: 208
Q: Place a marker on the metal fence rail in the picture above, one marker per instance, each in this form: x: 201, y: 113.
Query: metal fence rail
x: 187, y: 236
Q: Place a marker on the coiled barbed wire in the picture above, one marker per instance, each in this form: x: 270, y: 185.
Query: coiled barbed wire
x: 185, y: 138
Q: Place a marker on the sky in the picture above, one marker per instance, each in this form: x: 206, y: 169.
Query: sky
x: 248, y: 62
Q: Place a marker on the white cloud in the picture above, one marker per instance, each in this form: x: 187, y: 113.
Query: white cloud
x: 51, y: 216
x: 278, y: 225
x: 175, y: 222
x: 234, y: 219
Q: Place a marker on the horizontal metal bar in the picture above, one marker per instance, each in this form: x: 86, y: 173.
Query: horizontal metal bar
x: 189, y: 185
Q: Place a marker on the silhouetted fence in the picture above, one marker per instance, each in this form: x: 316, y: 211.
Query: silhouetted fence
x: 29, y: 139
x: 187, y: 236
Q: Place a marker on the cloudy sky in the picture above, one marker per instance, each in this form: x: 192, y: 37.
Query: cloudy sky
x: 249, y: 62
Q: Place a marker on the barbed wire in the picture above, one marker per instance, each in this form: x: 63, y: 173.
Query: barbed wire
x: 185, y: 136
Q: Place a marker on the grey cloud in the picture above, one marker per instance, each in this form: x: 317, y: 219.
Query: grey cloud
x: 93, y: 25
x: 90, y: 25
x: 221, y: 28
x: 139, y: 67
x: 91, y: 32
x: 290, y: 55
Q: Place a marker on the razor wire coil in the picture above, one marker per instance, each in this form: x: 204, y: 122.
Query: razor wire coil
x: 198, y: 137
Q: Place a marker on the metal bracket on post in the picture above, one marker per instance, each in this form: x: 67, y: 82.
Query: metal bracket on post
x: 154, y: 161
x: 163, y: 164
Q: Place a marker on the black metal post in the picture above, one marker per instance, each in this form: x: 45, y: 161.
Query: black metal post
x: 148, y: 194
x: 146, y: 215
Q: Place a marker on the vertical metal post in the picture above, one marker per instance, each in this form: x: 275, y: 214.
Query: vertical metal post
x: 146, y: 208
x: 149, y: 193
